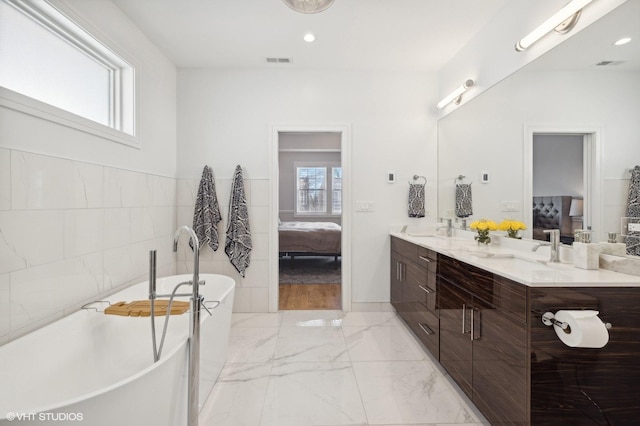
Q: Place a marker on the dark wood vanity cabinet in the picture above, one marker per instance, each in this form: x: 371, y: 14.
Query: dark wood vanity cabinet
x: 483, y: 339
x: 473, y: 322
x: 413, y: 290
x: 486, y: 331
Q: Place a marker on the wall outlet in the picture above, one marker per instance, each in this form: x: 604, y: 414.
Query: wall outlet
x: 633, y: 227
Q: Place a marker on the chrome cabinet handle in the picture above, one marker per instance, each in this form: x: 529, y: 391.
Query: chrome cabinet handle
x: 426, y: 329
x: 472, y: 317
x: 425, y: 289
x: 474, y: 335
x: 464, y: 318
x: 426, y: 259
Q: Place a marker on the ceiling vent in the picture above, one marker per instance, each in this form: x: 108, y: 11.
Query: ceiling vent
x: 278, y: 60
x: 605, y: 63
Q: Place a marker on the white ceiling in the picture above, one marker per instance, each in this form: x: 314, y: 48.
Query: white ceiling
x: 417, y: 35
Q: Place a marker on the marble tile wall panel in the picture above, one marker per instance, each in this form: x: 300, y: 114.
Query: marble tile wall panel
x: 72, y: 232
x: 5, y: 179
x: 254, y: 296
x: 5, y: 307
x: 30, y: 238
x: 43, y: 182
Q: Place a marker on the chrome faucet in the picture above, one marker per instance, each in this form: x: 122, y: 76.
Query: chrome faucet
x: 448, y: 227
x: 194, y: 327
x: 554, y: 237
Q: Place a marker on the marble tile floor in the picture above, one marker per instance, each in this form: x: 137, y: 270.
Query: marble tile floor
x: 325, y: 368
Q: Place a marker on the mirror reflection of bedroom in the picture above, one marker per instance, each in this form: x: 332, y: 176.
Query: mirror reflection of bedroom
x: 310, y: 220
x: 558, y: 185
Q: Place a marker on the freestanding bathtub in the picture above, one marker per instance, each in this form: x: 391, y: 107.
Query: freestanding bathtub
x: 95, y: 369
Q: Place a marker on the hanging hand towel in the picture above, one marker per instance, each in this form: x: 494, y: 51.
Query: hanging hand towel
x: 633, y: 210
x: 207, y: 212
x: 464, y: 206
x: 416, y: 200
x: 238, y: 245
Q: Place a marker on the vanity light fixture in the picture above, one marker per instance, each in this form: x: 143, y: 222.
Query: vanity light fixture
x: 562, y: 22
x: 456, y: 95
x: 309, y: 38
x: 308, y: 6
x: 622, y: 41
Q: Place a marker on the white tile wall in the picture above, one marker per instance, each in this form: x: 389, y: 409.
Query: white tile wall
x: 72, y: 232
x: 252, y: 292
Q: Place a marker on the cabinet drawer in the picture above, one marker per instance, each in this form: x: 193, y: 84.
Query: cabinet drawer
x: 405, y: 248
x: 426, y: 327
x: 428, y: 259
x: 423, y: 293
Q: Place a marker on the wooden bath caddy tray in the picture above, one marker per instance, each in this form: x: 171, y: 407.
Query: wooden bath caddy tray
x: 142, y: 308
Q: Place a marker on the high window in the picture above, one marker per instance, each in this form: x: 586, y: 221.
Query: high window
x: 46, y: 58
x: 318, y: 190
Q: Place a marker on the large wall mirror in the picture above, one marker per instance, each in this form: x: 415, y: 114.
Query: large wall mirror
x: 566, y: 125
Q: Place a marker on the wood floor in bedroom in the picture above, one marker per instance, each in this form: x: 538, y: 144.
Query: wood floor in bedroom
x: 310, y: 296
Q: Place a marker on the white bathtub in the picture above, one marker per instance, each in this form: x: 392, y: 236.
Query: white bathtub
x: 95, y: 369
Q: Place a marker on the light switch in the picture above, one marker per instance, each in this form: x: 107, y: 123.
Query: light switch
x: 365, y: 206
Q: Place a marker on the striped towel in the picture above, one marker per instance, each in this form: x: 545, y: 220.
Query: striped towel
x: 207, y: 212
x: 633, y: 211
x: 464, y: 205
x: 416, y: 200
x: 238, y: 245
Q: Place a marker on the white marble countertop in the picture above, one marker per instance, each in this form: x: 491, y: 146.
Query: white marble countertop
x: 526, y: 267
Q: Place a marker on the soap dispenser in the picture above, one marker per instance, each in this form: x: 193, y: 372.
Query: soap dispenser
x: 586, y: 255
x: 612, y: 246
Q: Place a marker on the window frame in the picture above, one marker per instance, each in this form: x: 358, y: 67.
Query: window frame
x: 123, y: 99
x: 328, y: 166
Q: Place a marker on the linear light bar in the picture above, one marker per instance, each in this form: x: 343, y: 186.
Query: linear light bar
x: 558, y: 18
x: 455, y: 94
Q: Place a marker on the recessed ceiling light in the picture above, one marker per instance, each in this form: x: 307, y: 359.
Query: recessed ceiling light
x: 622, y: 41
x: 309, y: 38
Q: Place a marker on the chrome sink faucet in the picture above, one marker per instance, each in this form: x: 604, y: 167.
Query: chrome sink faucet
x: 554, y: 237
x: 448, y: 227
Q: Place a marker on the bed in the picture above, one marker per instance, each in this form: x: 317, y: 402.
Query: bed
x: 310, y: 239
x: 552, y: 212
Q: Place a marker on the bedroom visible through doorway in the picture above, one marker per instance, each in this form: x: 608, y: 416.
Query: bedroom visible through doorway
x: 309, y: 220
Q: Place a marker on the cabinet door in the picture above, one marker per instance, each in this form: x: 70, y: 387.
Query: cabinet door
x: 455, y: 307
x: 397, y: 270
x: 499, y: 365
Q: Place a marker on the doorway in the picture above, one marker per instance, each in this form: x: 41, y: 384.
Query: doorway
x: 542, y: 168
x: 309, y: 220
x: 309, y: 252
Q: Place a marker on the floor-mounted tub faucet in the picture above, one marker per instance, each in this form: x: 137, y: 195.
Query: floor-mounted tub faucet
x: 194, y: 327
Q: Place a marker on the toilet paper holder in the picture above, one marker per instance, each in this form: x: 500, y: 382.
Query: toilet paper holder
x: 549, y: 319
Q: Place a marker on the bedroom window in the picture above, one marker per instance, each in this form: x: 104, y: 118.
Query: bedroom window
x: 50, y: 66
x: 318, y: 190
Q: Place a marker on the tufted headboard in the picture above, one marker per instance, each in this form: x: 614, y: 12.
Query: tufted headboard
x: 551, y: 212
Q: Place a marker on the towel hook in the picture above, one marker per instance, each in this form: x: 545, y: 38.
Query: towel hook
x: 459, y: 178
x: 416, y: 177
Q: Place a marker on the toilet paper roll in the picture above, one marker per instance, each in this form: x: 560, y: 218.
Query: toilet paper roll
x: 586, y: 329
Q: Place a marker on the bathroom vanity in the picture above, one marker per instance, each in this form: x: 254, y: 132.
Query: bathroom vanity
x: 481, y: 318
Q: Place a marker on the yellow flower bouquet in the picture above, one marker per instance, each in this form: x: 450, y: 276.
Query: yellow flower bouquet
x: 482, y: 227
x: 512, y: 227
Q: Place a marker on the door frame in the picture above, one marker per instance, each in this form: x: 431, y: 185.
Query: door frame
x: 345, y: 159
x: 592, y: 160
